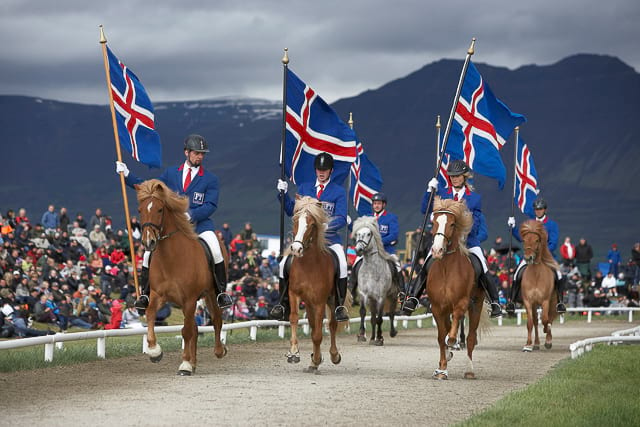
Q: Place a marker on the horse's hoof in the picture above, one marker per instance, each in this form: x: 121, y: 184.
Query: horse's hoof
x: 469, y: 376
x: 336, y: 359
x: 527, y: 349
x: 156, y: 359
x: 379, y: 342
x: 184, y: 373
x: 440, y: 377
x: 311, y: 370
x: 449, y: 355
x: 293, y: 358
x: 536, y: 347
x: 362, y: 338
x: 548, y: 345
x: 393, y: 333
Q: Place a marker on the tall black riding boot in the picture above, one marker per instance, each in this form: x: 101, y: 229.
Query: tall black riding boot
x: 559, y: 284
x: 415, y: 289
x: 491, y: 289
x: 223, y: 298
x: 342, y: 314
x: 515, y: 293
x: 281, y: 310
x: 143, y: 300
x: 354, y: 280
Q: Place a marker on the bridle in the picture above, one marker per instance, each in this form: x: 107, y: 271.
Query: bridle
x: 534, y: 250
x: 365, y: 243
x: 158, y: 227
x: 447, y: 238
x: 306, y: 243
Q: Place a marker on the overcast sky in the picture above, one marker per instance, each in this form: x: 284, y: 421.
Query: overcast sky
x: 199, y: 49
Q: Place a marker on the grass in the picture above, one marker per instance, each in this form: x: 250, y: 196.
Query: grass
x: 599, y: 388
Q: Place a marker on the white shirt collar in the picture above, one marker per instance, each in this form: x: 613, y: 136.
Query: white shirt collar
x: 193, y: 169
x: 324, y: 184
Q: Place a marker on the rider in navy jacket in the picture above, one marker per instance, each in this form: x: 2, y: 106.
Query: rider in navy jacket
x: 459, y: 174
x: 202, y: 191
x: 540, y: 214
x: 334, y: 202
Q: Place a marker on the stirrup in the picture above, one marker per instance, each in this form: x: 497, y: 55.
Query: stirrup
x: 561, y: 308
x: 224, y: 300
x: 142, y: 302
x: 510, y: 308
x: 496, y: 310
x: 341, y: 313
x: 402, y: 296
x: 277, y: 312
x: 410, y: 305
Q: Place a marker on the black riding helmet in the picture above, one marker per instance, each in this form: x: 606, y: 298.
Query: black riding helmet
x: 457, y: 167
x: 323, y: 162
x: 379, y: 197
x: 539, y: 204
x: 197, y: 143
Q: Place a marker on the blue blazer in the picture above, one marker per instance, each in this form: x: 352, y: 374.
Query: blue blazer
x: 552, y: 234
x: 388, y: 226
x: 202, y: 193
x: 334, y: 203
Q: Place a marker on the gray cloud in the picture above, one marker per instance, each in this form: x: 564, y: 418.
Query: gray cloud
x: 200, y: 49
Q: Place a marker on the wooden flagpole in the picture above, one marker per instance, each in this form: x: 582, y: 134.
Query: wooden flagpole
x: 513, y: 203
x: 103, y: 42
x: 285, y: 67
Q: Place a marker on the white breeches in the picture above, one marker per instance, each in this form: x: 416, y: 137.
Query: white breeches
x: 337, y: 249
x: 209, y: 237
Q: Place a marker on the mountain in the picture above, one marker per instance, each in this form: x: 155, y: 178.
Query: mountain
x: 580, y: 129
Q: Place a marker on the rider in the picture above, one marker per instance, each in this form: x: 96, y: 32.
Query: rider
x: 540, y: 211
x: 201, y: 187
x: 388, y: 227
x: 461, y: 189
x: 334, y: 202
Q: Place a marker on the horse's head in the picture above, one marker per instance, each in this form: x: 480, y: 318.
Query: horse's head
x: 444, y: 226
x: 363, y: 233
x: 309, y: 222
x: 533, y: 239
x: 452, y: 222
x: 151, y: 211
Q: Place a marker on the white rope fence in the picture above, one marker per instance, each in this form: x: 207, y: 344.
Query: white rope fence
x: 625, y: 336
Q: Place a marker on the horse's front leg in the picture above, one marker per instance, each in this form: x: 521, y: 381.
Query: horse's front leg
x: 379, y: 339
x: 219, y: 349
x: 441, y: 373
x: 190, y: 337
x: 531, y: 317
x: 154, y: 350
x: 452, y: 337
x: 315, y: 322
x: 293, y: 356
x: 363, y: 312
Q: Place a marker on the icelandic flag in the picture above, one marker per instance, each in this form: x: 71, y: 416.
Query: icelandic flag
x: 443, y: 177
x: 366, y: 181
x: 134, y: 115
x: 481, y: 127
x: 526, y: 179
x: 312, y: 128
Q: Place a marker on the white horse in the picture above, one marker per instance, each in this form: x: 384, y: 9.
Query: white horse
x: 375, y: 278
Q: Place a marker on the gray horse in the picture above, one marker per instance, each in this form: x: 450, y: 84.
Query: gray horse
x: 376, y: 284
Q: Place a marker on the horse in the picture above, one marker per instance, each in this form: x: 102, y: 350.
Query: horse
x: 179, y: 270
x: 451, y: 284
x: 376, y: 283
x: 537, y: 285
x: 311, y: 279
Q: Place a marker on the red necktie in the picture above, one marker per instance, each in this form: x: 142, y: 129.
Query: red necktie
x: 455, y: 197
x: 187, y: 180
x: 320, y: 191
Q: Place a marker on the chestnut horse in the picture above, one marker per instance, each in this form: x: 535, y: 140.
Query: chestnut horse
x: 178, y: 270
x: 312, y: 280
x: 537, y: 286
x: 451, y: 283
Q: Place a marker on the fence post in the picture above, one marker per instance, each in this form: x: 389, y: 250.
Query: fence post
x: 102, y: 347
x: 145, y: 344
x: 589, y: 314
x: 630, y: 316
x: 519, y: 318
x: 48, y: 352
x: 223, y: 336
x: 419, y: 323
x: 253, y: 333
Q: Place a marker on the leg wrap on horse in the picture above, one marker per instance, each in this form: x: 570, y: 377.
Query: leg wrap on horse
x: 143, y: 300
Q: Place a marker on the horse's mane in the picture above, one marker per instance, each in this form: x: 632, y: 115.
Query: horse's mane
x: 313, y: 208
x: 533, y: 226
x: 175, y: 204
x: 371, y: 223
x: 464, y: 219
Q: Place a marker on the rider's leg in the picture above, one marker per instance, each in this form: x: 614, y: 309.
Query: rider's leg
x: 143, y: 299
x: 515, y: 289
x: 341, y: 312
x: 489, y: 286
x: 219, y: 270
x: 559, y: 282
x: 281, y: 310
x: 416, y: 288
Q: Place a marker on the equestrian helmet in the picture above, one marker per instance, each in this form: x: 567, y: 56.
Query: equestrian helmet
x: 457, y: 167
x: 539, y: 204
x: 323, y: 162
x: 197, y: 143
x: 381, y: 197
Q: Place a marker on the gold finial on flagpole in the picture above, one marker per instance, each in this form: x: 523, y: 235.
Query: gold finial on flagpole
x: 103, y: 39
x: 285, y: 58
x: 350, y: 122
x: 438, y: 122
x: 517, y: 128
x: 471, y: 48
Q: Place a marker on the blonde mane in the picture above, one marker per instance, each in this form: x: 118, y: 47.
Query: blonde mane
x: 463, y: 217
x: 536, y: 227
x: 371, y: 223
x: 176, y: 205
x: 314, y: 208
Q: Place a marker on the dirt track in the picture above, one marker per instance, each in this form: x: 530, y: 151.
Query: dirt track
x: 372, y: 386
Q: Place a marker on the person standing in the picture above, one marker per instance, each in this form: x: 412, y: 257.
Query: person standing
x: 461, y: 189
x: 50, y: 220
x: 584, y: 253
x: 540, y: 215
x: 635, y: 259
x: 615, y: 260
x: 334, y: 202
x: 568, y: 252
x: 201, y: 187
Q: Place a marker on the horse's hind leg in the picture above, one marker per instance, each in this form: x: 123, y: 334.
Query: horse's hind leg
x: 363, y: 312
x: 475, y: 312
x: 219, y: 349
x: 190, y: 337
x: 392, y: 314
x: 536, y: 320
x: 154, y: 350
x: 336, y: 358
x: 546, y: 322
x: 379, y: 338
x: 373, y: 309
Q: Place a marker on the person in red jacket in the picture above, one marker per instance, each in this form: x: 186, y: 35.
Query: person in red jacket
x: 568, y: 252
x: 116, y: 315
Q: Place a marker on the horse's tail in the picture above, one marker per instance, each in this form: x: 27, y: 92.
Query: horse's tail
x: 484, y: 327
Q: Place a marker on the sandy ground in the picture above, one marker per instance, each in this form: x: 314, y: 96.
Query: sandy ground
x: 254, y: 384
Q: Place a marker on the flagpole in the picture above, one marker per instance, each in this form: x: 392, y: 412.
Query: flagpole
x: 513, y: 196
x: 346, y: 231
x: 103, y: 42
x: 285, y: 64
x: 438, y: 142
x: 445, y: 140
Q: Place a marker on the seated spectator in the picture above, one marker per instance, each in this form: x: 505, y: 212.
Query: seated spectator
x: 97, y: 236
x: 130, y: 317
x: 262, y: 312
x: 115, y: 322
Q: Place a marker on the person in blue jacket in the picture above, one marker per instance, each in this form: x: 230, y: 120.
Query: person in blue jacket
x: 334, y: 202
x: 540, y: 214
x: 461, y: 189
x: 191, y: 180
x: 388, y: 227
